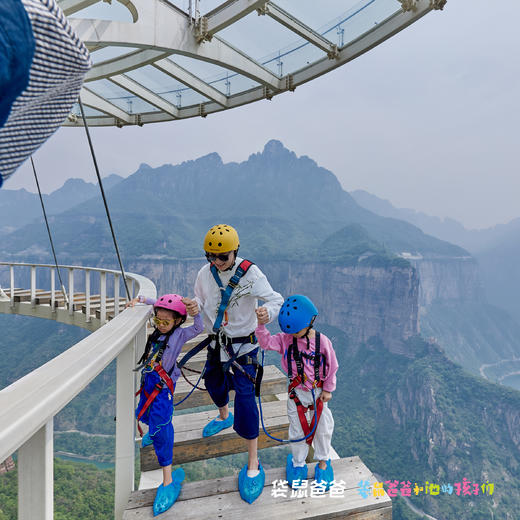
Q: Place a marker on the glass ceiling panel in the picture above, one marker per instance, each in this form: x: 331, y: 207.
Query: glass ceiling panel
x: 220, y: 78
x: 317, y: 18
x: 184, y: 97
x: 109, y: 53
x: 89, y: 112
x: 199, y: 68
x: 165, y: 86
x: 358, y: 20
x: 258, y: 36
x: 120, y: 97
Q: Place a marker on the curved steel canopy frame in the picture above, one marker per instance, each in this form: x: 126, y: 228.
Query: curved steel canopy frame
x: 159, y: 32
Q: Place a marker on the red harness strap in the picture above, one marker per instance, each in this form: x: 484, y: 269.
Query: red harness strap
x: 158, y: 387
x: 302, y: 410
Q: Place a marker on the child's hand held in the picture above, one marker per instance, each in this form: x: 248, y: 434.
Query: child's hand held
x: 132, y: 302
x: 191, y: 306
x: 326, y: 396
x: 262, y: 315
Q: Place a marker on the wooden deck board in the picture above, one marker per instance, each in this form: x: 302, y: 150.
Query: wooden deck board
x: 219, y: 498
x: 190, y: 445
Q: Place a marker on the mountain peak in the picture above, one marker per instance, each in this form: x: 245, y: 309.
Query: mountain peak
x: 211, y: 159
x: 275, y: 147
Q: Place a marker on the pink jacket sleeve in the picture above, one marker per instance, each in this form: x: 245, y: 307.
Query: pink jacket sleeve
x: 268, y: 342
x: 331, y: 361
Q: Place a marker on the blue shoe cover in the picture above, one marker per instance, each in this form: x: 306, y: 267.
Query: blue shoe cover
x: 294, y: 472
x: 166, y: 496
x: 251, y: 487
x: 146, y: 440
x: 324, y: 475
x: 216, y: 426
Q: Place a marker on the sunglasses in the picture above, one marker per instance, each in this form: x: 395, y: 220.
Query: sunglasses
x: 162, y: 323
x: 211, y: 257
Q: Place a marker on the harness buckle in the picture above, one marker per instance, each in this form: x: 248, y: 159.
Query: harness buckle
x: 221, y: 338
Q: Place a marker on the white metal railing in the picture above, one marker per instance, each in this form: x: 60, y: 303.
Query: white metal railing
x: 28, y: 406
x: 67, y: 313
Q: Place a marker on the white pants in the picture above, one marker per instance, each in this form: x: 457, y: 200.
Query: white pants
x: 322, y: 435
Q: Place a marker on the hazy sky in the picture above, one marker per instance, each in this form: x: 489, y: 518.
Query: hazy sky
x: 428, y: 120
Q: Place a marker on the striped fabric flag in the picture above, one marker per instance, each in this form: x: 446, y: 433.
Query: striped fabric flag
x: 59, y: 64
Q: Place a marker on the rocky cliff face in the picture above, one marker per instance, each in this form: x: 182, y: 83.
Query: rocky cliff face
x: 447, y: 279
x: 429, y: 420
x: 365, y: 302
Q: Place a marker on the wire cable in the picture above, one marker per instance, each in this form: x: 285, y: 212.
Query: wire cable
x: 49, y: 233
x: 103, y: 195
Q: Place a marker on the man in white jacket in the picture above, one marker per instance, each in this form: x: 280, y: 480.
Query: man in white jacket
x: 227, y: 291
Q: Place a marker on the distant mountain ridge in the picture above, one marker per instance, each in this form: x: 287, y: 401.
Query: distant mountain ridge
x: 20, y: 207
x: 496, y: 249
x: 282, y: 204
x: 474, y: 240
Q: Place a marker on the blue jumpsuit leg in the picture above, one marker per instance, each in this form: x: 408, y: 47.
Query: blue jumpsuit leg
x: 158, y: 417
x: 216, y: 381
x: 246, y: 411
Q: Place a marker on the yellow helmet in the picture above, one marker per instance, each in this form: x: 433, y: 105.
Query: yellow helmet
x: 221, y: 239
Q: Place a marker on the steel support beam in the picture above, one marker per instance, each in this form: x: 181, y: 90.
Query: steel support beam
x: 73, y: 6
x: 147, y: 95
x: 225, y: 15
x: 298, y: 27
x: 188, y: 79
x: 121, y: 64
x: 95, y: 101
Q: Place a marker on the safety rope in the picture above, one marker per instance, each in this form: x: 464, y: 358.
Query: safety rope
x: 103, y: 195
x: 288, y: 440
x: 195, y: 386
x: 49, y: 233
x: 194, y: 372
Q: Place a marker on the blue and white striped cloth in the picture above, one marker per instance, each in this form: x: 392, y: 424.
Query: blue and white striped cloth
x: 58, y: 67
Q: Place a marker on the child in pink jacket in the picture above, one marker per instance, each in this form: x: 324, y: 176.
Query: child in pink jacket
x: 309, y: 360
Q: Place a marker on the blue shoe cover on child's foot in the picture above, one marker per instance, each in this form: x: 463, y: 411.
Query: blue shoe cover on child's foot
x: 146, y: 440
x: 166, y: 496
x: 216, y: 426
x: 324, y: 475
x: 294, y: 472
x: 251, y: 487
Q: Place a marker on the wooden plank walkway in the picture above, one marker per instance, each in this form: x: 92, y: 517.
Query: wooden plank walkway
x: 219, y: 498
x: 190, y: 445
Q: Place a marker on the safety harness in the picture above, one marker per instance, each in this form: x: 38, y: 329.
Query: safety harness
x: 223, y: 341
x: 153, y: 353
x: 300, y: 378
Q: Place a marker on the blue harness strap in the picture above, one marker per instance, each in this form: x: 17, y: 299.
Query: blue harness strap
x: 226, y: 293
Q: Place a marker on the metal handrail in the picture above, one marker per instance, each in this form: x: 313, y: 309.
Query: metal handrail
x: 28, y: 406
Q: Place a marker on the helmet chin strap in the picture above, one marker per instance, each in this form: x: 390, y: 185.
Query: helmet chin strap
x: 234, y: 261
x: 306, y: 335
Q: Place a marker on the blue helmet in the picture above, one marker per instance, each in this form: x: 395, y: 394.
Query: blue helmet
x: 296, y: 313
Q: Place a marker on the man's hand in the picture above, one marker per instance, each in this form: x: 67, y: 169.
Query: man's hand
x: 191, y: 306
x: 262, y: 315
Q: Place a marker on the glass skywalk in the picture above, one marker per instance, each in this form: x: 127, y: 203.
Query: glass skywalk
x: 159, y: 61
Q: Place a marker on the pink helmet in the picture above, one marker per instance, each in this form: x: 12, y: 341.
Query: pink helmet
x: 172, y: 302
